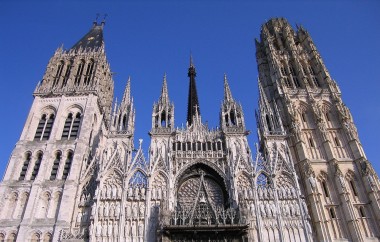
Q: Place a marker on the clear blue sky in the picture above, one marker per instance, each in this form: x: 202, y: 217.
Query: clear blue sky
x: 146, y: 39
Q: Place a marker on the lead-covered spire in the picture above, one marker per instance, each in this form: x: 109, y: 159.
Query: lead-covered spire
x: 193, y: 103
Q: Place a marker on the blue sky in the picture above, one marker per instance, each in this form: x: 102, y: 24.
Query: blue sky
x: 146, y: 39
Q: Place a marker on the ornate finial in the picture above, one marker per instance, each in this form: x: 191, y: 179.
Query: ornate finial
x: 227, y: 91
x: 164, y: 98
x: 127, y: 92
x: 140, y: 143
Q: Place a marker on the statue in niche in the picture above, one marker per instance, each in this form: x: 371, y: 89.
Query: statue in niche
x: 159, y: 193
x: 104, y: 229
x: 133, y: 229
x: 142, y: 210
x: 286, y: 209
x: 106, y: 209
x: 112, y: 210
x: 134, y: 211
x: 141, y: 230
x: 93, y: 209
x: 100, y: 210
x: 108, y: 190
x: 294, y: 193
x: 260, y: 193
x: 128, y: 211
x: 115, y: 229
x: 143, y: 193
x: 291, y: 210
x: 114, y: 192
x: 127, y: 230
x: 270, y: 191
x: 130, y: 192
x: 79, y: 217
x: 109, y: 231
x: 245, y: 193
x: 117, y: 210
x: 279, y: 192
x: 154, y: 193
x: 85, y: 215
x: 91, y: 228
x: 265, y: 191
x: 98, y: 229
x: 137, y: 196
x: 262, y: 210
x: 119, y: 192
x: 313, y: 183
x: 304, y: 209
x: 297, y: 209
x: 250, y: 194
x: 252, y: 209
x: 267, y: 210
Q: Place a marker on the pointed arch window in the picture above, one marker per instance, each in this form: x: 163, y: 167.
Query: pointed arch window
x: 332, y: 213
x: 262, y: 180
x: 138, y: 179
x: 58, y: 73
x: 67, y: 73
x: 79, y: 74
x: 54, y: 170
x: 125, y: 123
x: 324, y: 188
x: 311, y: 143
x: 71, y: 127
x: 44, y: 127
x: 337, y: 143
x: 37, y: 165
x: 362, y: 212
x: 24, y: 169
x: 89, y: 71
x: 353, y: 188
x: 67, y: 167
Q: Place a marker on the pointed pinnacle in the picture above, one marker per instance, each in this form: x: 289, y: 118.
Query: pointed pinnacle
x: 227, y: 90
x: 127, y: 92
x: 164, y: 98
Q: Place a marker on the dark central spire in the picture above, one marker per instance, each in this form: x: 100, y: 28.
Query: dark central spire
x: 193, y: 103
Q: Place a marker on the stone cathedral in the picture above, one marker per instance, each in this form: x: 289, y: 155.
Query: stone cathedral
x: 75, y: 174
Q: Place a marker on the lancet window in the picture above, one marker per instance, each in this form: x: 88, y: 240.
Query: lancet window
x: 55, y: 167
x: 24, y: 169
x: 78, y: 76
x: 58, y: 73
x: 37, y: 165
x: 67, y: 73
x: 89, y: 72
x: 67, y: 167
x: 44, y: 127
x: 71, y: 127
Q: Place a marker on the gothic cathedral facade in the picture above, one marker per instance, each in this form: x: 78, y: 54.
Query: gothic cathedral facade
x: 75, y: 174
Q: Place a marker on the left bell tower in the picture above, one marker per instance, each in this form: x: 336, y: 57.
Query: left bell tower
x: 71, y: 109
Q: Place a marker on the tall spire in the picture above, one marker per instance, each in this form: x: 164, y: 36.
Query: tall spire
x: 127, y: 92
x: 193, y: 103
x: 164, y: 98
x: 227, y: 91
x: 93, y: 39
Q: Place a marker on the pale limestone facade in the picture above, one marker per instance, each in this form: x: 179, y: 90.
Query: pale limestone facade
x: 75, y: 175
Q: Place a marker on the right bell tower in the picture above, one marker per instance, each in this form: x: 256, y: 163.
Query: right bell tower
x: 338, y: 182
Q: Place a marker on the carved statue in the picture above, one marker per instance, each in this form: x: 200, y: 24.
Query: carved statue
x: 137, y: 196
x: 100, y: 210
x: 109, y: 231
x: 262, y: 210
x: 114, y: 192
x: 128, y: 211
x: 134, y: 211
x: 143, y: 193
x: 116, y: 229
x: 142, y: 210
x: 106, y: 209
x: 117, y: 210
x: 130, y: 192
x: 98, y: 229
x: 313, y: 183
x: 252, y: 209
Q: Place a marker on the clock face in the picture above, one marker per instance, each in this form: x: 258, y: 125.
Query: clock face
x: 90, y: 38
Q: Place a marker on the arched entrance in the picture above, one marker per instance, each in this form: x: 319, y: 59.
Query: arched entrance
x: 202, y: 211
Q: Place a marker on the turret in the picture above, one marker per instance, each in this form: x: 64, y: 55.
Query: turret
x: 163, y: 110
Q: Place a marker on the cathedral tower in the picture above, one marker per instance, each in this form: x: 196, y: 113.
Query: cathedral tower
x: 48, y: 166
x: 301, y: 107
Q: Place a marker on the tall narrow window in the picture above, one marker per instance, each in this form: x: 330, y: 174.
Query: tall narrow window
x: 79, y: 74
x: 58, y: 74
x: 294, y: 76
x: 67, y: 74
x: 125, y: 124
x: 332, y: 213
x: 89, y: 71
x: 361, y: 212
x: 24, y: 169
x: 311, y: 143
x: 71, y: 127
x: 55, y: 167
x: 37, y: 165
x: 325, y: 190
x: 67, y: 167
x: 303, y: 116
x: 44, y: 127
x: 327, y: 116
x: 353, y: 188
x: 337, y: 143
